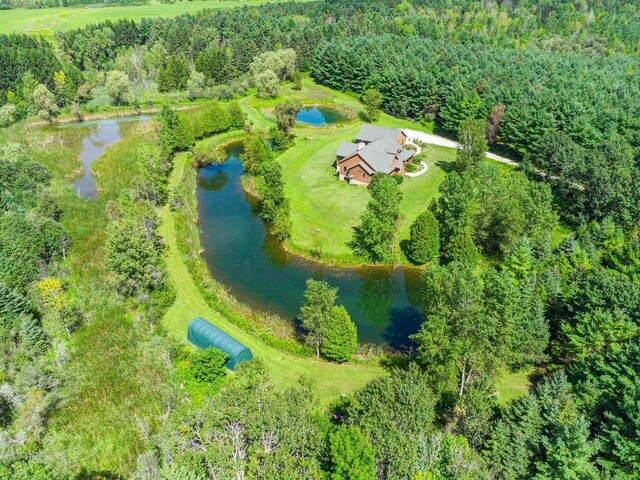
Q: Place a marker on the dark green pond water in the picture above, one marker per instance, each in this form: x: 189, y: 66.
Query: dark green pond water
x: 383, y: 302
x: 320, y: 116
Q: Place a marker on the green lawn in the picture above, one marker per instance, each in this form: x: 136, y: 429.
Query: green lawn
x: 513, y: 385
x: 47, y: 21
x: 325, y: 210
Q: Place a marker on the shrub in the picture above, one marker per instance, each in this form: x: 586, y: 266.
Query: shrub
x: 207, y: 365
x: 413, y: 167
x: 8, y: 114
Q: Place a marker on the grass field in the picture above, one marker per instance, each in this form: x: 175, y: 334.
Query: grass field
x: 325, y: 210
x: 47, y: 21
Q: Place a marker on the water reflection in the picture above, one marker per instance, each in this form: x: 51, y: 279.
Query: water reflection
x: 213, y: 183
x: 320, y: 116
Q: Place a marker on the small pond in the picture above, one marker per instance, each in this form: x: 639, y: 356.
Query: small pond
x: 95, y: 137
x: 383, y: 302
x: 320, y: 116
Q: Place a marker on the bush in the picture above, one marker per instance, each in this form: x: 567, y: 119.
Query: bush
x: 207, y: 366
x: 8, y: 114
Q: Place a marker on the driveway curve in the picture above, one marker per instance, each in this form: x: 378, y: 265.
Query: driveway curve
x: 432, y: 139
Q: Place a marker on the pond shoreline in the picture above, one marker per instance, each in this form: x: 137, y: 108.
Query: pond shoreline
x: 101, y: 116
x: 383, y: 300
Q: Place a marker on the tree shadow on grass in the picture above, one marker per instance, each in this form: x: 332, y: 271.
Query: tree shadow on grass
x: 447, y: 167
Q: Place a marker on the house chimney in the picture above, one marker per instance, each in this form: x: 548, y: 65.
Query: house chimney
x: 361, y: 145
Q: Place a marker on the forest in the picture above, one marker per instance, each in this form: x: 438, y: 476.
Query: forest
x: 529, y: 270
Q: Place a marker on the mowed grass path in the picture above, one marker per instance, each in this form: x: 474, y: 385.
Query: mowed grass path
x: 332, y: 379
x: 47, y: 21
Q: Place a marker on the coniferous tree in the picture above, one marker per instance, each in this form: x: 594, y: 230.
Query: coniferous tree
x: 424, y: 240
x: 375, y: 236
x: 340, y: 339
x: 317, y: 308
x: 255, y: 153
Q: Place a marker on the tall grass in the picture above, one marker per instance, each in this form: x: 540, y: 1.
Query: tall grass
x: 116, y: 381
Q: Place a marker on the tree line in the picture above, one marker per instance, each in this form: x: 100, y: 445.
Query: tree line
x: 37, y: 316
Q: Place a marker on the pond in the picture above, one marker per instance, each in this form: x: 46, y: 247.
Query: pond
x: 383, y: 302
x: 95, y: 137
x: 320, y: 116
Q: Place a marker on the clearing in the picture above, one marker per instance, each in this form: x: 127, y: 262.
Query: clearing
x: 324, y: 211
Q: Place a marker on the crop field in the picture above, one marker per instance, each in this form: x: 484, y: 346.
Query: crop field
x: 48, y: 21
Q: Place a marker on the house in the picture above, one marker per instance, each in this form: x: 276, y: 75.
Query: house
x: 376, y: 149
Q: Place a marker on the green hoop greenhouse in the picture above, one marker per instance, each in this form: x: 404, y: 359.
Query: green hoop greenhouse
x: 203, y: 335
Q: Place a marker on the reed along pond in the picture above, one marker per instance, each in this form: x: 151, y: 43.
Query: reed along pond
x: 91, y: 139
x: 383, y: 302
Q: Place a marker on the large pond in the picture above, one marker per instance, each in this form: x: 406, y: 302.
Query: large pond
x: 383, y: 302
x: 95, y: 137
x: 320, y: 116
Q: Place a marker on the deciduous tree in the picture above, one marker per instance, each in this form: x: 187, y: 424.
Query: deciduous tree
x: 351, y: 454
x: 472, y: 144
x: 371, y: 100
x: 119, y: 88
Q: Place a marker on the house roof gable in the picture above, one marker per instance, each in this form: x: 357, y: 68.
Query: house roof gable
x: 371, y: 133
